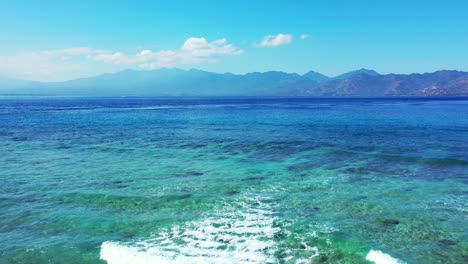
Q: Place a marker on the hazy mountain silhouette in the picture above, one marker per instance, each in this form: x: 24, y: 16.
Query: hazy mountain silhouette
x: 176, y: 82
x: 355, y: 73
x: 317, y: 77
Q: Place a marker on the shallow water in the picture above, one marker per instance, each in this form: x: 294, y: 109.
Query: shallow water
x: 234, y: 180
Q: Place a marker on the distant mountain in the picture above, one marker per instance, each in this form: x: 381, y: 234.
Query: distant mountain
x: 316, y: 76
x: 355, y: 73
x: 176, y: 82
x: 171, y: 82
x: 320, y: 78
x: 440, y: 83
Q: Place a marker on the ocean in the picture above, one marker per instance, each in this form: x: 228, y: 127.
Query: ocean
x: 233, y: 180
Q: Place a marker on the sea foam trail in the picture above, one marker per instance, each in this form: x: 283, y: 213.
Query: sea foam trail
x: 241, y: 234
x: 378, y: 257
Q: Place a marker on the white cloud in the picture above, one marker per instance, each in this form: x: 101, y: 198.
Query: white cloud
x: 276, y: 40
x: 193, y: 51
x: 201, y: 47
x: 304, y: 36
x: 64, y: 64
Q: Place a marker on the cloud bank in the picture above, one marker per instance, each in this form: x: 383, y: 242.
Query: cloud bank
x: 62, y: 64
x: 193, y: 51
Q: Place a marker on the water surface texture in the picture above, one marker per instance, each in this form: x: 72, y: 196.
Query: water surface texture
x: 233, y: 180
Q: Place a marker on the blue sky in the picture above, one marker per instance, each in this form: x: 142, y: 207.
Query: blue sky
x: 60, y: 40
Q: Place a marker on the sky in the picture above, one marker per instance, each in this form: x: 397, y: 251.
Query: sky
x: 62, y: 40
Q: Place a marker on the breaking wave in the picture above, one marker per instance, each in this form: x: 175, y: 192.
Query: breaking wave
x: 238, y: 234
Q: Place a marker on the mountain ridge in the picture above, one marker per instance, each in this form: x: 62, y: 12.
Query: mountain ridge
x: 178, y: 82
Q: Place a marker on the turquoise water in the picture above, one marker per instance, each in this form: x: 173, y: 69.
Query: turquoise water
x: 234, y: 180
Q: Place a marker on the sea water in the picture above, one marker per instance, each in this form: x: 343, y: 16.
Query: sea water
x: 233, y: 180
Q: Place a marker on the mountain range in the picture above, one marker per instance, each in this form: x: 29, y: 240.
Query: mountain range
x: 177, y: 82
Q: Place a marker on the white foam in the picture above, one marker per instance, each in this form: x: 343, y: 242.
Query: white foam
x: 242, y: 234
x: 378, y: 257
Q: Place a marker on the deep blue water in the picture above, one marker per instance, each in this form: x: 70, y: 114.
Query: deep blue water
x: 233, y: 180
